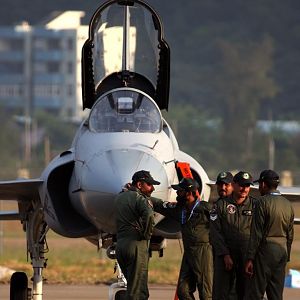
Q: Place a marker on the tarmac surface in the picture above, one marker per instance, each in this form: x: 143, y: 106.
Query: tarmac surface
x: 100, y: 292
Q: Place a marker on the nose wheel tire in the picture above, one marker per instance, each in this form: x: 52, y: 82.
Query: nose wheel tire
x: 19, y: 286
x: 120, y: 295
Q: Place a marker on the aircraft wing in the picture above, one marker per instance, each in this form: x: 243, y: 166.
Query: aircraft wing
x: 24, y: 191
x: 292, y: 193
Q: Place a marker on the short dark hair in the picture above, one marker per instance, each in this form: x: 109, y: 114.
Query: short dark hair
x: 271, y: 184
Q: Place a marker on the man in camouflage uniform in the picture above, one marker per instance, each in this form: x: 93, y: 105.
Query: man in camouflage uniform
x: 270, y: 240
x: 135, y: 221
x: 230, y: 231
x: 197, y: 262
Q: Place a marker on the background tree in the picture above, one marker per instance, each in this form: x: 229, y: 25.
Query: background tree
x: 197, y: 135
x: 243, y: 84
x: 11, y: 145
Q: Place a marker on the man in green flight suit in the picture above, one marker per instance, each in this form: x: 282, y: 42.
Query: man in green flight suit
x: 135, y: 222
x: 197, y: 262
x: 270, y: 240
x: 224, y: 183
x: 230, y: 232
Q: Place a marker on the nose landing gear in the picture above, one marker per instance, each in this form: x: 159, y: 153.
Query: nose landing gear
x: 19, y: 287
x: 117, y: 290
x: 36, y: 230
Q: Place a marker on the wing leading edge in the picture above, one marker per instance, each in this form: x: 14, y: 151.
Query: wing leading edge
x: 25, y: 191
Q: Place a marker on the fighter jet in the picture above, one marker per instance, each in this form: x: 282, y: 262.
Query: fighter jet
x: 125, y: 83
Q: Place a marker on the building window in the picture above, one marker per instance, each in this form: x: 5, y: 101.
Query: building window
x: 11, y: 67
x: 70, y: 44
x: 47, y: 90
x: 40, y: 44
x: 10, y: 90
x: 70, y: 90
x: 7, y: 44
x: 70, y: 68
x: 4, y: 46
x: 54, y: 44
x: 46, y: 67
x: 39, y: 68
x: 53, y: 67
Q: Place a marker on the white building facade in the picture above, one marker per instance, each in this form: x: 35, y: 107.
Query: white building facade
x: 40, y: 67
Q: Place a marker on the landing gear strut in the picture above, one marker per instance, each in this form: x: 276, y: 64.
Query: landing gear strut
x: 36, y: 230
x: 117, y: 290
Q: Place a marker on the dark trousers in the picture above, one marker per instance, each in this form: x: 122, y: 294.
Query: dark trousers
x: 269, y: 273
x: 196, y: 272
x: 133, y: 258
x: 229, y: 284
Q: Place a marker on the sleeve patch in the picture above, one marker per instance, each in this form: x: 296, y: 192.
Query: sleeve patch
x: 213, y: 217
x: 167, y: 204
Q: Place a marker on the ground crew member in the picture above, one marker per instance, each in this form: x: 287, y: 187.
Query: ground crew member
x: 224, y: 184
x: 197, y: 262
x: 270, y: 240
x: 230, y: 231
x: 135, y: 221
x: 224, y: 188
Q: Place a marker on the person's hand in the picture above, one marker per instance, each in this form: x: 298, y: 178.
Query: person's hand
x: 126, y: 187
x: 228, y: 262
x: 249, y: 268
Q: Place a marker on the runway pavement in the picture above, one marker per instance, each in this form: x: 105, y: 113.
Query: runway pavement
x: 100, y: 292
x: 89, y: 292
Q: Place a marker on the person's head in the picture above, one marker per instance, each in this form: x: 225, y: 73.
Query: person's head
x: 268, y: 181
x: 241, y: 186
x: 187, y: 190
x: 224, y: 184
x: 144, y: 182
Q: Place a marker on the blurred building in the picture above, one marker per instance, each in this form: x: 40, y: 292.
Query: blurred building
x: 40, y: 66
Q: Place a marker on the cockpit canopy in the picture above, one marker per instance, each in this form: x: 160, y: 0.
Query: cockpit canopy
x: 125, y: 110
x: 125, y: 48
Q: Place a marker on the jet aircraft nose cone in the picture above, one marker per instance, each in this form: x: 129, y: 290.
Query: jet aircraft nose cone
x: 110, y: 170
x: 104, y: 175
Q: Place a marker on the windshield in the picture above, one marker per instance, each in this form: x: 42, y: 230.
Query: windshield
x: 125, y: 110
x: 125, y: 39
